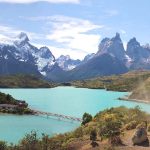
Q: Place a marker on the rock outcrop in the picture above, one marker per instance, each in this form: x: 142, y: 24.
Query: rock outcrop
x: 140, y: 136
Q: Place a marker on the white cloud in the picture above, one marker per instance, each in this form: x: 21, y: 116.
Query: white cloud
x: 74, y: 33
x: 33, y: 1
x: 65, y: 51
x: 7, y: 34
x: 66, y: 35
x: 8, y: 30
x: 57, y: 51
x: 5, y: 39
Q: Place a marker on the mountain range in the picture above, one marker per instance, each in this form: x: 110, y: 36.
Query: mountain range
x: 21, y: 57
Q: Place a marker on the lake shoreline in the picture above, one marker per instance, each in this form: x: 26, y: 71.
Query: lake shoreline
x: 72, y: 102
x: 126, y: 98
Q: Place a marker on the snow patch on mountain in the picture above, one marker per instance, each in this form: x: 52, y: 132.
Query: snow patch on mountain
x: 66, y: 63
x: 21, y: 39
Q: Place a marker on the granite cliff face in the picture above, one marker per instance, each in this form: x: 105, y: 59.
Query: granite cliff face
x: 66, y: 63
x: 21, y: 57
x: 139, y: 55
x: 113, y: 47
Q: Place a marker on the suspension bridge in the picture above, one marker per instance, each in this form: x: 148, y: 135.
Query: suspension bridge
x: 60, y: 116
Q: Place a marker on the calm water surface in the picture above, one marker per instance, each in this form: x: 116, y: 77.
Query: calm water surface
x: 64, y: 100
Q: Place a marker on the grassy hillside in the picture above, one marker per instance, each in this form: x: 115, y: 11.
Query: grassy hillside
x: 23, y: 81
x: 142, y: 92
x: 111, y: 129
x: 124, y: 82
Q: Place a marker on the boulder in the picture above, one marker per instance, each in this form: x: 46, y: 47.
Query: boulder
x: 140, y: 136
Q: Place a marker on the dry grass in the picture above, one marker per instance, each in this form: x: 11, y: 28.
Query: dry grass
x: 104, y: 145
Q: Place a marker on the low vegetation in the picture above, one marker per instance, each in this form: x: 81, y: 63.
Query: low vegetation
x: 24, y: 81
x: 125, y: 82
x: 8, y: 104
x: 7, y: 99
x: 105, y: 131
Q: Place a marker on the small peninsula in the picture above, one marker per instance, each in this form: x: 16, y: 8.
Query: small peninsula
x: 10, y: 105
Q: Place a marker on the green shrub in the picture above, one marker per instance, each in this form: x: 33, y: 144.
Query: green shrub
x: 86, y: 118
x: 87, y: 130
x: 141, y: 125
x: 78, y: 133
x: 27, y: 111
x: 131, y: 125
x: 110, y: 127
x: 93, y: 137
x: 148, y: 127
x: 30, y: 141
x: 3, y: 145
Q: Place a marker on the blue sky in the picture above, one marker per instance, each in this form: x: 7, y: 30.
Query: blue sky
x: 74, y: 27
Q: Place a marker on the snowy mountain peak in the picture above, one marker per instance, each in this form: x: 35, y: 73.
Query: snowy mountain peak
x: 64, y: 57
x: 21, y: 39
x: 44, y: 48
x: 105, y: 40
x: 147, y: 46
x: 66, y: 63
x: 117, y: 35
x: 139, y: 54
x: 116, y: 38
x: 133, y: 44
x: 133, y: 41
x: 113, y: 47
x: 45, y: 53
x: 23, y: 36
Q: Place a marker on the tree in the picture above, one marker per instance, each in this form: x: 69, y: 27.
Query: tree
x: 8, y: 97
x: 30, y: 141
x: 3, y: 145
x: 86, y: 118
x: 110, y: 127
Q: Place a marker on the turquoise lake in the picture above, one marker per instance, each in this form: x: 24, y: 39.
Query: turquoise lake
x: 62, y: 100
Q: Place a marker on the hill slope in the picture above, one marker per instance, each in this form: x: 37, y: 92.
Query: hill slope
x: 142, y: 92
x: 124, y: 82
x: 100, y: 65
x: 122, y: 121
x: 24, y: 81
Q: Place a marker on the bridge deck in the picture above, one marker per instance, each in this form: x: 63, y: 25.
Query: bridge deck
x: 57, y: 115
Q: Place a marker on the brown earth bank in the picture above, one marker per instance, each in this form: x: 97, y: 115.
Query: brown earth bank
x: 126, y: 98
x: 85, y: 144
